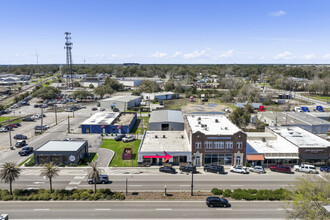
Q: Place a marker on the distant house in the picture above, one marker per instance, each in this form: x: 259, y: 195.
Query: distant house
x: 160, y: 95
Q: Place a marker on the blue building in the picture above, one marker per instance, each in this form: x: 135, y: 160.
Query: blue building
x: 110, y: 123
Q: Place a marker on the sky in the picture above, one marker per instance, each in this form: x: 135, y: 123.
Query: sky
x: 166, y: 31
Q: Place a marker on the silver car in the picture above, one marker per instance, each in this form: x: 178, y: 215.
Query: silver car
x: 257, y: 169
x: 128, y: 139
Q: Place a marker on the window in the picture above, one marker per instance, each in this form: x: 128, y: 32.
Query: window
x: 208, y: 144
x: 239, y: 145
x: 198, y: 145
x: 218, y: 144
x: 229, y: 145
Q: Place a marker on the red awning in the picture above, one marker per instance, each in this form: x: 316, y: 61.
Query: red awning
x: 255, y: 157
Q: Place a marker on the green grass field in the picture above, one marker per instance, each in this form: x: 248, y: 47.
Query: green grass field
x: 118, y: 147
x: 5, y: 118
x: 318, y: 97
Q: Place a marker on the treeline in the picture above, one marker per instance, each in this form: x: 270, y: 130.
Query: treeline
x: 28, y: 69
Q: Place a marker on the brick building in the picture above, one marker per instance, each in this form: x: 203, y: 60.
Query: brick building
x: 215, y: 140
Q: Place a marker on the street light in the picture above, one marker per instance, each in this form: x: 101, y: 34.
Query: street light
x: 192, y: 176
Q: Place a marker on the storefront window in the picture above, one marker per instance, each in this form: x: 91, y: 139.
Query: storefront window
x: 228, y: 159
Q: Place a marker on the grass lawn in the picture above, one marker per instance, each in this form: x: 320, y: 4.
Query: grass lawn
x: 91, y: 158
x: 318, y: 97
x: 176, y: 103
x: 49, y: 83
x: 118, y: 147
x: 5, y: 118
x: 137, y: 127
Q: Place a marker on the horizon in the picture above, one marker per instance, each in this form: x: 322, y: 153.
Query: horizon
x: 255, y: 32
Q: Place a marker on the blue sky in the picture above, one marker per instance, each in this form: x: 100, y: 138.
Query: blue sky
x: 166, y: 31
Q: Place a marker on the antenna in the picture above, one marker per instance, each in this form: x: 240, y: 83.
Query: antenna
x: 37, y: 60
x: 68, y: 47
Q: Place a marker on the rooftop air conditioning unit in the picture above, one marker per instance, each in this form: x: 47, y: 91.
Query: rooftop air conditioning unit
x: 199, y: 118
x: 226, y: 128
x: 263, y: 139
x: 199, y: 122
x: 216, y: 120
x: 164, y: 136
x: 182, y: 136
x: 156, y: 136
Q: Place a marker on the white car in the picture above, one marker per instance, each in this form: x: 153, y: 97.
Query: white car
x: 239, y: 169
x: 305, y: 168
x: 102, y: 109
x: 257, y: 169
x: 128, y: 139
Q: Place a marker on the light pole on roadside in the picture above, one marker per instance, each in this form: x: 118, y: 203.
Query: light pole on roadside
x: 42, y: 118
x: 192, y: 177
x: 55, y: 114
x: 68, y: 124
x: 10, y: 141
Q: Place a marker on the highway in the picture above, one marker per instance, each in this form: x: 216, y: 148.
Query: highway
x: 153, y: 181
x: 141, y: 209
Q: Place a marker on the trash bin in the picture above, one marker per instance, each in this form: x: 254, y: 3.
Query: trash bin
x: 11, y: 148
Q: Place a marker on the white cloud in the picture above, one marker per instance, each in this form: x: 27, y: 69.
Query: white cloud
x: 261, y: 57
x: 309, y: 56
x: 159, y: 55
x: 327, y: 56
x: 195, y: 54
x: 277, y: 13
x: 226, y: 54
x: 286, y: 55
x: 99, y: 55
x: 177, y: 53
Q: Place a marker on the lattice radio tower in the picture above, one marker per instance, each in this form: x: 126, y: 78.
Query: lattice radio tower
x: 68, y: 47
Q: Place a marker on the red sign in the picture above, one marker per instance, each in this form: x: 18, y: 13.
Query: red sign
x: 167, y: 156
x: 103, y: 126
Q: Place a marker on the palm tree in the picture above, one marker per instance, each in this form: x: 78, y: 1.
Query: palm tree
x: 49, y: 171
x: 9, y: 173
x: 94, y: 174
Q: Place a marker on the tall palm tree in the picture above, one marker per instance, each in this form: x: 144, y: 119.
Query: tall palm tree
x: 9, y: 173
x: 49, y: 171
x: 94, y: 174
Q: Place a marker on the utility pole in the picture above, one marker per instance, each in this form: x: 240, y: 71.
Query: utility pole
x: 10, y: 142
x: 68, y: 125
x: 72, y: 109
x: 55, y: 114
x: 192, y: 177
x: 141, y: 122
x: 42, y: 118
x: 126, y: 186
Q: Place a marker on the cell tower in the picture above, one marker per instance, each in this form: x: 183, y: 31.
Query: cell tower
x: 68, y: 47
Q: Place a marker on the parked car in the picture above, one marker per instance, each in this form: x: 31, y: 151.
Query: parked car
x: 167, y: 170
x: 12, y: 125
x: 325, y: 169
x: 20, y: 137
x: 120, y: 137
x: 102, y: 109
x: 214, y: 201
x: 102, y: 179
x: 239, y: 169
x: 94, y: 109
x: 257, y: 169
x: 20, y: 143
x: 37, y: 106
x: 280, y: 168
x: 9, y: 128
x: 25, y: 151
x: 128, y: 139
x: 188, y: 168
x: 28, y: 119
x: 69, y: 110
x: 17, y: 124
x: 305, y: 168
x: 214, y: 169
x: 4, y: 129
x: 39, y: 127
x: 115, y: 110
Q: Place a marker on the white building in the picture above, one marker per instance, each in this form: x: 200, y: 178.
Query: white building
x: 174, y: 143
x: 121, y: 102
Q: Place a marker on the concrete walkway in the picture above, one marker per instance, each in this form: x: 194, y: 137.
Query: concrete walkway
x: 104, y: 157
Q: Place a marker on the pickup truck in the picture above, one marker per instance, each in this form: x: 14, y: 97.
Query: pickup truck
x: 305, y: 168
x: 305, y: 109
x: 319, y: 108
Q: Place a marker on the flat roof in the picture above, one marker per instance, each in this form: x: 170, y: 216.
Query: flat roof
x: 124, y: 118
x: 212, y: 124
x: 173, y: 142
x: 283, y: 118
x: 300, y: 137
x: 125, y: 98
x: 101, y: 118
x: 61, y: 146
x: 166, y: 116
x: 265, y: 145
x: 158, y: 93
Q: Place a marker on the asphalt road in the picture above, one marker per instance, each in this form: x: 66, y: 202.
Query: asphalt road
x: 77, y: 179
x: 141, y: 209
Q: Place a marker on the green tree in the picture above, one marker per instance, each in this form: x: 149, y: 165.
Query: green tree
x: 114, y: 84
x: 169, y: 86
x: 240, y: 117
x: 102, y: 90
x: 94, y: 173
x: 76, y: 84
x: 9, y: 173
x: 308, y: 196
x: 81, y: 94
x: 49, y: 171
x: 49, y: 92
x: 91, y: 86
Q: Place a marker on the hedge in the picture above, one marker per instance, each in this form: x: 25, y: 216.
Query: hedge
x: 253, y: 194
x: 61, y: 194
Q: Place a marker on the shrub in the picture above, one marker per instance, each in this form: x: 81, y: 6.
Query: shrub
x: 216, y: 191
x: 85, y: 195
x: 7, y: 197
x: 227, y: 193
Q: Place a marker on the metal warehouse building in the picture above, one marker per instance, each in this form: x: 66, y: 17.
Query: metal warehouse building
x: 160, y: 95
x: 166, y: 120
x: 109, y: 122
x: 65, y: 152
x: 121, y: 102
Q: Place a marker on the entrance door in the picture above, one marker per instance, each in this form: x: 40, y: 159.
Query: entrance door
x: 238, y: 160
x: 198, y: 161
x: 165, y: 127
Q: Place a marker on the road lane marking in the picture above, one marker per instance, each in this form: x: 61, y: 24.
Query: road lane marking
x: 284, y: 209
x: 32, y: 185
x: 70, y: 188
x: 41, y: 209
x: 102, y: 209
x: 163, y: 209
x: 79, y: 177
x: 224, y: 209
x: 32, y: 188
x: 323, y: 177
x: 38, y: 182
x: 184, y: 185
x: 75, y: 182
x: 285, y: 185
x: 134, y: 185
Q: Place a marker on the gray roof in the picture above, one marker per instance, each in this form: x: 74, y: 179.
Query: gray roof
x: 166, y: 116
x: 62, y: 146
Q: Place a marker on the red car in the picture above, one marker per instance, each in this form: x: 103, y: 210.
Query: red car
x: 280, y: 168
x: 12, y: 125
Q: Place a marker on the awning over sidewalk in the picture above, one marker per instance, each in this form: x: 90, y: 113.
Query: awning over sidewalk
x: 255, y: 157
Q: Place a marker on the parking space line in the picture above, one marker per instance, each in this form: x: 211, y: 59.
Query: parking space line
x: 102, y: 209
x: 41, y: 209
x: 163, y: 209
x: 224, y: 209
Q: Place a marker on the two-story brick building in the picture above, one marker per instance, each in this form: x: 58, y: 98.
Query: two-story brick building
x: 215, y: 140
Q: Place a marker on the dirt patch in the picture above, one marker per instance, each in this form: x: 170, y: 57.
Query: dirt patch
x: 171, y: 196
